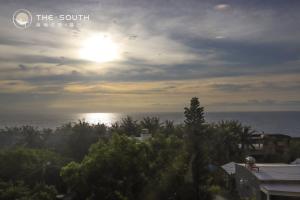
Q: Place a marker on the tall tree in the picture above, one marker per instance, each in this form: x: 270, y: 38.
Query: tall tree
x: 195, y: 128
x: 194, y: 115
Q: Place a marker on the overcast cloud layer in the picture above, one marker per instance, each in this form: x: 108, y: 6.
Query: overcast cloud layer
x: 234, y: 55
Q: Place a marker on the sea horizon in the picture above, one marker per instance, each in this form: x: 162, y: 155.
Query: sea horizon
x: 275, y: 122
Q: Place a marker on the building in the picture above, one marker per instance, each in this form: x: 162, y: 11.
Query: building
x: 267, y: 145
x: 268, y: 181
x: 229, y: 175
x: 145, y: 135
x: 296, y: 162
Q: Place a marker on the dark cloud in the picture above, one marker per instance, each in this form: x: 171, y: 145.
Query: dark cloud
x: 23, y: 67
x: 34, y: 59
x: 6, y: 40
x: 60, y: 78
x: 255, y: 102
x: 257, y: 86
x: 245, y: 53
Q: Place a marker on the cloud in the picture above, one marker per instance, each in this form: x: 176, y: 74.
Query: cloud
x: 258, y: 85
x: 23, y: 67
x: 36, y: 59
x: 266, y: 102
x: 221, y: 52
x: 222, y: 7
x: 15, y: 86
x: 232, y: 87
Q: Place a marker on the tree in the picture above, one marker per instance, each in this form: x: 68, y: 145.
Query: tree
x: 129, y: 126
x: 151, y: 123
x: 11, y: 191
x: 79, y: 141
x: 44, y: 192
x: 195, y: 127
x: 169, y: 167
x: 100, y: 130
x: 225, y: 142
x: 126, y: 168
x: 294, y: 151
x: 245, y: 137
x: 194, y: 116
x: 18, y: 190
x: 169, y: 127
x: 30, y: 166
x: 31, y: 137
x: 113, y: 170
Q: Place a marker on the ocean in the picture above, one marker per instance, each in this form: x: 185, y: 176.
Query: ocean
x: 269, y: 122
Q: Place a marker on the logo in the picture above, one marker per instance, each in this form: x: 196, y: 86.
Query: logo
x: 22, y: 18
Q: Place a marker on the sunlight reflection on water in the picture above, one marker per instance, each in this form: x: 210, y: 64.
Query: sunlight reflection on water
x: 101, y: 118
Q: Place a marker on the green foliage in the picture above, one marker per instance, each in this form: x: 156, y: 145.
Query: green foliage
x: 151, y: 123
x: 26, y: 136
x: 73, y: 140
x: 12, y: 191
x: 18, y: 190
x: 171, y: 183
x: 125, y: 168
x: 196, y: 138
x: 164, y: 150
x: 83, y: 135
x: 215, y: 189
x: 111, y: 170
x: 44, y: 192
x: 230, y: 141
x: 168, y: 127
x: 32, y: 137
x: 194, y: 115
x: 110, y: 163
x: 294, y: 152
x: 225, y: 142
x: 30, y: 166
x: 129, y: 127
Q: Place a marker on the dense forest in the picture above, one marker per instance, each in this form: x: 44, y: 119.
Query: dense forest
x: 79, y: 161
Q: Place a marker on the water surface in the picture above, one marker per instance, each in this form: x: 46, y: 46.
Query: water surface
x: 269, y: 122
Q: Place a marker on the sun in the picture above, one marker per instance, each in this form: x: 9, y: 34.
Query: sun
x: 99, y: 48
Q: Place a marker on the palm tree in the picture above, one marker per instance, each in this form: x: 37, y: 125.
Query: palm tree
x: 245, y: 137
x: 169, y: 127
x: 227, y: 141
x: 151, y: 123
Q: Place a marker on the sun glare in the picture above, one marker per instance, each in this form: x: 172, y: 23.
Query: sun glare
x: 99, y: 48
x: 95, y: 118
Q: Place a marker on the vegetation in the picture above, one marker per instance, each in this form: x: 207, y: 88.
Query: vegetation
x: 93, y: 161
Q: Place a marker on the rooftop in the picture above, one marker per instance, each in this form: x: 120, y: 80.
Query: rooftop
x: 229, y: 168
x: 269, y: 171
x: 296, y: 162
x: 274, y: 178
x: 276, y: 187
x: 277, y: 172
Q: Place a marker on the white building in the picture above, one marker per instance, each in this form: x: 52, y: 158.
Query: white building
x: 266, y: 181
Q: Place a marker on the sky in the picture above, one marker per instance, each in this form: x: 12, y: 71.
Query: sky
x: 149, y: 56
